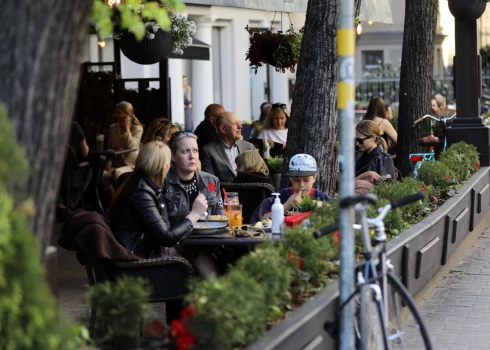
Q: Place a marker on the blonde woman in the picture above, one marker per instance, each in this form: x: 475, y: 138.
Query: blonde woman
x: 138, y: 213
x: 276, y: 125
x: 160, y: 129
x: 125, y: 134
x: 251, y: 168
x: 373, y: 148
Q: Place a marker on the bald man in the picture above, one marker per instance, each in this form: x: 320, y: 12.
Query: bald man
x: 218, y: 157
x: 206, y: 131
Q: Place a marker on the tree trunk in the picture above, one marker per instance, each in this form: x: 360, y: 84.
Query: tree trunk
x: 314, y: 123
x: 416, y: 78
x: 42, y: 45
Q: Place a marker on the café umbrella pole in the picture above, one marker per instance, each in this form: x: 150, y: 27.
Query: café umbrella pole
x: 346, y: 104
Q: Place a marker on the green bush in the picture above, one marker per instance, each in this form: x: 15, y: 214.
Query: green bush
x: 231, y: 311
x: 28, y: 311
x: 436, y: 174
x: 120, y: 308
x: 463, y: 159
x: 266, y: 266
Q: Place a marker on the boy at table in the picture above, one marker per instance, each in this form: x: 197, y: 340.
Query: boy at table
x: 302, y: 174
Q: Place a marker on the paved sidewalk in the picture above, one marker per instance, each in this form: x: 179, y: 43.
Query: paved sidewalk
x: 457, y: 313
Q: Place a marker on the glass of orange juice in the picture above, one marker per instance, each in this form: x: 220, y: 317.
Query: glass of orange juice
x: 235, y: 215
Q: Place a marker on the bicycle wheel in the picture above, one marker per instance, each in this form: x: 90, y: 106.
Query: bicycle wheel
x: 406, y: 329
x: 370, y: 321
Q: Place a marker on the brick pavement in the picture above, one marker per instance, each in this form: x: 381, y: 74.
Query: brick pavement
x: 457, y: 313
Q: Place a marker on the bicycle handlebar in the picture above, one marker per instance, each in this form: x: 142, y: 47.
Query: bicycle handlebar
x: 371, y: 199
x: 441, y: 119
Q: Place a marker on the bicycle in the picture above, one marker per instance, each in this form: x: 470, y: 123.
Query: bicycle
x: 416, y: 159
x: 379, y: 295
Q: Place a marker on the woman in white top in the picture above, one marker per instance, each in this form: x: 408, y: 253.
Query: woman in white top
x: 276, y: 125
x: 125, y: 134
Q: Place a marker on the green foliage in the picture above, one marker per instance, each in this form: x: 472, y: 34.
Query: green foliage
x: 231, y: 311
x: 278, y: 49
x: 120, y: 308
x: 463, y: 160
x: 103, y: 16
x: 436, y: 174
x: 275, y: 164
x: 266, y: 266
x: 28, y: 312
x: 306, y: 204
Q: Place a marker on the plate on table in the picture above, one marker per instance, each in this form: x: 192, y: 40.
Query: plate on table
x: 215, y: 218
x: 203, y: 227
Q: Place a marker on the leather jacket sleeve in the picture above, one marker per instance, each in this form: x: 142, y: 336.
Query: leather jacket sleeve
x: 153, y: 221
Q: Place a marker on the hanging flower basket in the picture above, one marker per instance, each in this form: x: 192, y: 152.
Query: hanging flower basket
x: 467, y: 10
x: 157, y: 43
x: 278, y: 49
x: 147, y: 51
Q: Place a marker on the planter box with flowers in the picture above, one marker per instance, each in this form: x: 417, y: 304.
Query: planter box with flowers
x: 278, y: 49
x: 157, y: 44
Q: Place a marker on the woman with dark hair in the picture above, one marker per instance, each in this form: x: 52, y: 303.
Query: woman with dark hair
x: 373, y: 148
x: 377, y: 113
x: 160, y: 129
x: 276, y: 125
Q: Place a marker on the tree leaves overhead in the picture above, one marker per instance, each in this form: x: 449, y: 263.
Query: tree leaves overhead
x: 132, y: 16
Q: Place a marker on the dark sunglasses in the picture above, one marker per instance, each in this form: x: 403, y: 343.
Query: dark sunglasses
x: 279, y: 105
x: 360, y: 141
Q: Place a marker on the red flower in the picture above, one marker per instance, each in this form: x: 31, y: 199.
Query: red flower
x: 294, y: 257
x: 424, y: 188
x: 188, y: 312
x: 477, y: 166
x: 448, y: 178
x: 211, y: 187
x: 336, y: 240
x: 432, y: 198
x: 185, y: 339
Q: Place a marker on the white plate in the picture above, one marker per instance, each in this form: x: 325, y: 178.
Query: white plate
x: 208, y: 227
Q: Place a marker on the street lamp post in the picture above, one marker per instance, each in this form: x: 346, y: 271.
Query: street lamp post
x: 468, y: 126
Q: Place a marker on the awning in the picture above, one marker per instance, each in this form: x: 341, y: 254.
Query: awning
x: 196, y: 51
x: 371, y: 10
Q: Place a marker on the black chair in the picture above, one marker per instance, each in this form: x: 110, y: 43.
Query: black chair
x: 250, y: 195
x: 75, y: 176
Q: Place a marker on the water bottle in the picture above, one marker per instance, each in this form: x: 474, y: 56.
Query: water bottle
x: 277, y: 215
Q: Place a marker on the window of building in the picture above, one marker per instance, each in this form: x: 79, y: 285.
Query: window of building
x: 371, y: 59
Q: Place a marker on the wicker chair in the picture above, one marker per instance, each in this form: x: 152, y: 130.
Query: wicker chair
x: 250, y: 194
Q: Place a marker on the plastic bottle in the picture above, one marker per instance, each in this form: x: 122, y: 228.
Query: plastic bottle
x: 266, y: 149
x: 277, y: 215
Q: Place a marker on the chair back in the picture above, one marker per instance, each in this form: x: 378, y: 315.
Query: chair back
x: 250, y: 195
x: 74, y: 173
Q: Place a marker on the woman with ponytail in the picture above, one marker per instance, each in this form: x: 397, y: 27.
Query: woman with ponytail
x: 373, y: 148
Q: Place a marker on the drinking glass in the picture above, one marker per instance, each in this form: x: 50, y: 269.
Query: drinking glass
x: 235, y: 216
x: 233, y: 198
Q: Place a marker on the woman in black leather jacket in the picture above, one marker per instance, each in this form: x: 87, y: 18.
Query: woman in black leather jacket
x: 374, y: 157
x: 138, y: 213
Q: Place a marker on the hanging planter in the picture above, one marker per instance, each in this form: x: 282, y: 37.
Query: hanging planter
x: 279, y: 49
x: 467, y: 10
x: 147, y: 51
x: 157, y: 44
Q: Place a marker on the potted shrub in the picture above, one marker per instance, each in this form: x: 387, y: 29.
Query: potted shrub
x: 279, y: 49
x: 275, y: 168
x: 157, y: 43
x: 120, y: 308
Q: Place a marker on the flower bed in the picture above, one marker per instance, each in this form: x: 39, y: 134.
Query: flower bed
x: 265, y: 286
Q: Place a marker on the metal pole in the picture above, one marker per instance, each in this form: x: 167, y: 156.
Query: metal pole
x: 346, y: 105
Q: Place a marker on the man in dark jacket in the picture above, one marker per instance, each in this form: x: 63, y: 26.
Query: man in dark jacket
x: 206, y: 131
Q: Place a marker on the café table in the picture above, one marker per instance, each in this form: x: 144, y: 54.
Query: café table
x: 94, y: 158
x: 225, y: 238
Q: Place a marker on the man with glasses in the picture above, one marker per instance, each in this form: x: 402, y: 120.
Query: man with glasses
x: 206, y: 130
x: 218, y: 157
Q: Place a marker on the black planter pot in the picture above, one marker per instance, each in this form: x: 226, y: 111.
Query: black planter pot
x: 147, y: 51
x: 467, y: 10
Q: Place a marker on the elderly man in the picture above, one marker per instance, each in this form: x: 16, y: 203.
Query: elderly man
x: 218, y: 157
x: 206, y: 131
